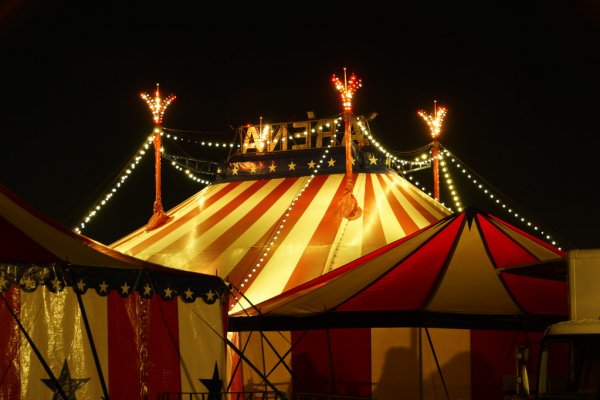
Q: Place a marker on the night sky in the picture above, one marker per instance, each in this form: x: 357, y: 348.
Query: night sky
x: 520, y: 82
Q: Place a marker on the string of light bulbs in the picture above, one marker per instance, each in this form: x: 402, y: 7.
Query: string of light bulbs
x: 486, y: 189
x: 117, y: 184
x: 281, y: 225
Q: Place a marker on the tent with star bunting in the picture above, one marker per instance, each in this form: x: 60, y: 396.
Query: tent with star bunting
x: 275, y: 219
x: 81, y: 320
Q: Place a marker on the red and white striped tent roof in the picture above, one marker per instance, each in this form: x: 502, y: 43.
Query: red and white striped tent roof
x: 272, y: 223
x: 455, y: 273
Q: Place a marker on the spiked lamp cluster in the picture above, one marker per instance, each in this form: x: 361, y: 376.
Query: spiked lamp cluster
x: 157, y: 105
x: 434, y: 121
x: 347, y: 89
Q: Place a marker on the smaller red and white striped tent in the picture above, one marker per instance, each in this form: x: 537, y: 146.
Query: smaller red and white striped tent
x: 81, y: 320
x: 455, y: 273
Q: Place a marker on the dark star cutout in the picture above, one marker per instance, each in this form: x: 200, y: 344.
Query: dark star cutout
x: 213, y: 385
x: 66, y: 383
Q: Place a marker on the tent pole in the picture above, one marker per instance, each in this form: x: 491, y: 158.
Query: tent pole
x: 281, y: 358
x: 437, y: 364
x: 88, y: 330
x: 241, y: 354
x: 420, y: 344
x: 35, y: 350
x: 237, y: 364
x: 262, y: 350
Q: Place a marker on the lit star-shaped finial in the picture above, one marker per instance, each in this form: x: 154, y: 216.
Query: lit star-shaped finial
x: 434, y: 122
x: 157, y: 105
x: 346, y: 89
x: 67, y: 385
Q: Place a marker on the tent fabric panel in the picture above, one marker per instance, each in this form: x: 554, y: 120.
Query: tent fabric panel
x: 508, y: 250
x: 201, y: 342
x: 332, y: 361
x: 537, y: 247
x: 341, y: 284
x: 411, y: 272
x: 164, y: 372
x: 537, y: 295
x: 373, y: 213
x: 140, y: 239
x: 10, y: 366
x: 319, y: 246
x: 470, y: 283
x: 18, y: 247
x: 126, y: 375
x: 493, y: 360
x: 58, y: 240
x: 55, y: 324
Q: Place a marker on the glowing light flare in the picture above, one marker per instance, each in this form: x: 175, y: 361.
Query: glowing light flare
x: 346, y: 89
x: 157, y: 105
x: 434, y: 122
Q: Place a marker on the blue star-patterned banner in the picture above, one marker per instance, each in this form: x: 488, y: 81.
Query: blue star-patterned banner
x: 303, y: 162
x: 189, y: 287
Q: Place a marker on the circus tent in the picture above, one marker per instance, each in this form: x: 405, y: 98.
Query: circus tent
x: 81, y: 319
x: 271, y: 222
x: 454, y: 273
x: 457, y: 273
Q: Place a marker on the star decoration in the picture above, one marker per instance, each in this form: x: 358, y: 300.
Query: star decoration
x: 388, y: 161
x: 353, y: 160
x: 3, y: 282
x: 189, y: 294
x: 125, y: 288
x: 29, y: 283
x: 55, y: 283
x: 147, y: 290
x: 210, y: 295
x: 81, y: 285
x: 213, y: 385
x: 331, y: 162
x: 68, y: 385
x: 234, y: 170
x: 373, y: 160
x: 219, y: 170
x: 311, y: 164
x: 103, y: 287
x: 272, y: 167
x: 291, y: 166
x: 168, y: 292
x: 252, y: 168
